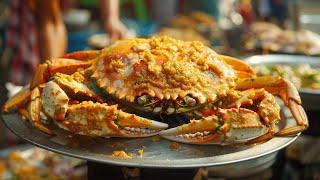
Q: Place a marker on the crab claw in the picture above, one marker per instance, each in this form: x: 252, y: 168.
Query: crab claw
x: 134, y: 126
x: 196, y: 132
x: 54, y: 101
x: 99, y: 119
x: 94, y: 119
x: 227, y: 127
x: 288, y: 93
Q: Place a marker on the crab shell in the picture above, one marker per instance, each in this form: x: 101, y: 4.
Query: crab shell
x: 162, y: 68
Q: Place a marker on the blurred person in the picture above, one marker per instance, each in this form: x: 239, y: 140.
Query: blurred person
x: 111, y: 21
x: 246, y: 11
x: 36, y: 32
x: 279, y: 11
x: 264, y: 10
x: 210, y: 7
x: 275, y: 11
x: 163, y: 10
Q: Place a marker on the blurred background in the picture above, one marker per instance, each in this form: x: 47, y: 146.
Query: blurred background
x: 32, y: 31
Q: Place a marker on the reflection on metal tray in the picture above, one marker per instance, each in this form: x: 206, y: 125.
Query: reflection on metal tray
x: 310, y: 97
x: 157, y: 151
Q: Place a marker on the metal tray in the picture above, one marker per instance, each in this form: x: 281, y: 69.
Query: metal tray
x: 157, y: 151
x: 310, y: 98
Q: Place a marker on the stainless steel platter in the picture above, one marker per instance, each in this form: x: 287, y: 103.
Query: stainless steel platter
x: 157, y: 151
x: 310, y: 98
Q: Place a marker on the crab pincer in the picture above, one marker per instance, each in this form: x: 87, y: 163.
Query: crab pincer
x: 227, y: 126
x: 93, y: 118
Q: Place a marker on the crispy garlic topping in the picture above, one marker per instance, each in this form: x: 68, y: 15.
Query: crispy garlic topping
x: 162, y: 67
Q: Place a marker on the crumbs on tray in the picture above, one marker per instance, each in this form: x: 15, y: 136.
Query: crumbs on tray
x: 121, y: 154
x: 155, y: 139
x: 174, y: 146
x: 140, y: 152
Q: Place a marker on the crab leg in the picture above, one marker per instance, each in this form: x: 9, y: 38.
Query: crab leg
x: 32, y: 113
x: 226, y: 126
x: 35, y: 105
x: 42, y: 75
x: 287, y: 91
x: 264, y: 103
x: 49, y: 68
x: 66, y: 66
x: 242, y: 69
x: 75, y: 86
x: 25, y: 113
x: 82, y: 55
x: 267, y: 107
x: 18, y: 100
x: 94, y: 119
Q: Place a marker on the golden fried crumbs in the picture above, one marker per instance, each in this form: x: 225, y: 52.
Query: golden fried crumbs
x: 140, y: 152
x: 163, y: 65
x: 121, y: 154
x: 174, y: 146
x: 155, y: 139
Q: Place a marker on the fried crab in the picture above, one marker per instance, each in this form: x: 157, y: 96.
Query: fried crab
x: 87, y: 93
